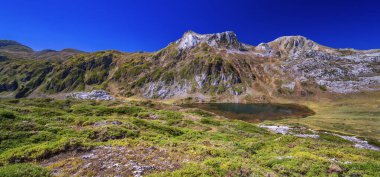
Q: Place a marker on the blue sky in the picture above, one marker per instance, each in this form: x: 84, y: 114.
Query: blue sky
x: 149, y: 25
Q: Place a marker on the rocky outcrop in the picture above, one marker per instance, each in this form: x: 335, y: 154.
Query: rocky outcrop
x: 338, y: 73
x: 226, y: 40
x: 93, y: 95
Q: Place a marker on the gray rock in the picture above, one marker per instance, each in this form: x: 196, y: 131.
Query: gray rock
x: 362, y: 144
x: 93, y: 95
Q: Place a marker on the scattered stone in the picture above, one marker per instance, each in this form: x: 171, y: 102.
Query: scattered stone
x: 286, y: 130
x: 104, y: 123
x: 277, y: 128
x: 153, y: 116
x: 334, y: 160
x: 282, y: 129
x: 333, y: 168
x: 307, y: 136
x: 139, y: 169
x: 116, y: 122
x: 88, y: 156
x: 284, y: 157
x: 362, y: 144
x: 117, y: 160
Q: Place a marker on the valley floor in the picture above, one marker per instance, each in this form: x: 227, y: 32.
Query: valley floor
x: 44, y: 137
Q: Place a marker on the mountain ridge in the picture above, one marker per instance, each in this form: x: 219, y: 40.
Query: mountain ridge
x: 192, y: 32
x: 201, y: 66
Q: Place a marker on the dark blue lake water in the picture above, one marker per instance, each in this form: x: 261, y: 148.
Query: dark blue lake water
x: 256, y: 112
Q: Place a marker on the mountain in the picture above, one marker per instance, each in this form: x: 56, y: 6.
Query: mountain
x: 56, y: 55
x: 225, y: 40
x: 14, y: 50
x: 202, y: 67
x: 13, y: 46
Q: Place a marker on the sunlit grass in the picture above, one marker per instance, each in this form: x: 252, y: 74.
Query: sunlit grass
x: 357, y: 114
x: 33, y: 130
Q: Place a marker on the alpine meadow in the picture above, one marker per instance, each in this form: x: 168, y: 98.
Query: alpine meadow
x: 205, y: 104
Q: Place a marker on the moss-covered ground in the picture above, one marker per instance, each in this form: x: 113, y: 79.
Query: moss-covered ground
x: 63, y: 137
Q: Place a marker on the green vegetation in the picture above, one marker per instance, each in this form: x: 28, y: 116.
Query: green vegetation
x: 355, y: 114
x: 201, y: 113
x: 6, y: 115
x: 80, y: 70
x: 23, y: 77
x: 35, y: 130
x: 24, y: 170
x: 125, y: 73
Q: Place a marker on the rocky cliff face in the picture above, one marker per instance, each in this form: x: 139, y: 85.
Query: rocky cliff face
x: 225, y: 40
x: 202, y: 66
x: 339, y: 70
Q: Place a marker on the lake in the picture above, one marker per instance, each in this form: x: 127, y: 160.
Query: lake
x: 256, y: 112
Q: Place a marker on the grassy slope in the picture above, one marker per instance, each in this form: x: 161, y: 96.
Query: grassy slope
x: 33, y: 130
x: 356, y: 114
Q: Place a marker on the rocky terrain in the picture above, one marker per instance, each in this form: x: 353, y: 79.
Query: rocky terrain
x: 202, y: 67
x: 93, y: 95
x: 309, y: 133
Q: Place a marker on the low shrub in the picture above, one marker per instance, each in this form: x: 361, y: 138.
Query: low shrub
x: 164, y: 129
x: 6, y: 115
x: 248, y: 127
x: 210, y: 121
x: 40, y: 151
x: 109, y: 132
x: 362, y: 169
x: 128, y: 110
x: 202, y: 113
x: 332, y: 138
x: 170, y: 115
x: 24, y: 170
x: 374, y: 142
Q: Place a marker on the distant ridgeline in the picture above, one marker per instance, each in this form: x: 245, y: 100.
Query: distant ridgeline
x: 200, y: 66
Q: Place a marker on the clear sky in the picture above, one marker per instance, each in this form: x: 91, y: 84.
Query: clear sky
x: 149, y: 25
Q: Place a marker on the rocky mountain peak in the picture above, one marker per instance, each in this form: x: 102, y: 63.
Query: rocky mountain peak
x: 293, y: 43
x: 225, y: 40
